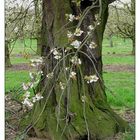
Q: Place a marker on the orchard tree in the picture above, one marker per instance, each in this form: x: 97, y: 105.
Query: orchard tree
x: 21, y: 22
x: 38, y: 18
x: 74, y: 104
x: 122, y: 21
x: 126, y: 22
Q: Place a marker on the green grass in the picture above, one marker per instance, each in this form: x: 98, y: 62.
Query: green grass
x: 122, y: 85
x: 14, y: 79
x: 122, y: 60
x: 125, y: 46
x: 19, y: 60
x: 119, y: 54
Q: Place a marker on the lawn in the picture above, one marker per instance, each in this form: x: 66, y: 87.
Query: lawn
x: 120, y: 85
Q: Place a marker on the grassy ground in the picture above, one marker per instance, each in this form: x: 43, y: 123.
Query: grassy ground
x: 120, y: 85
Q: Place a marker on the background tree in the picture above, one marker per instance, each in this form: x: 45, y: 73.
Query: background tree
x: 79, y: 108
x: 38, y: 18
x: 122, y: 21
x: 21, y: 22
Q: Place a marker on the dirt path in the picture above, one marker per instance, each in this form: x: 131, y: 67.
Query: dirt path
x: 118, y: 68
x: 106, y: 68
x: 19, y: 67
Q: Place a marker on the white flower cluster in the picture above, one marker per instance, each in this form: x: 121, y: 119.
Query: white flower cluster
x: 75, y: 60
x: 57, y: 55
x: 34, y: 80
x: 62, y: 85
x: 72, y: 17
x: 27, y: 86
x: 16, y: 30
x: 78, y: 32
x: 73, y: 75
x: 29, y: 101
x: 92, y: 45
x: 69, y: 34
x: 90, y: 28
x: 76, y: 44
x: 37, y: 97
x: 36, y: 62
x: 91, y: 78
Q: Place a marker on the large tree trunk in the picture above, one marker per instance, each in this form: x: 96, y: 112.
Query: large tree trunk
x: 81, y: 110
x: 7, y: 56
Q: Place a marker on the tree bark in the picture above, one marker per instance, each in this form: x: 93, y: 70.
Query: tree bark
x: 65, y: 115
x: 111, y: 41
x: 37, y: 20
x: 38, y: 51
x: 7, y: 56
x: 133, y: 49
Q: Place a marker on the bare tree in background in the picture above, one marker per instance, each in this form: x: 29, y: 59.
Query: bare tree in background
x: 122, y: 21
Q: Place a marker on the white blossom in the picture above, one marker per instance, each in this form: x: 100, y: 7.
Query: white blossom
x: 73, y: 75
x: 88, y: 33
x: 71, y: 17
x: 27, y: 102
x: 50, y: 75
x: 56, y: 54
x: 66, y: 68
x: 78, y: 32
x: 16, y: 30
x: 84, y: 98
x: 38, y: 96
x: 25, y: 86
x: 57, y: 57
x: 92, y: 45
x: 32, y: 75
x: 90, y: 27
x: 54, y: 51
x: 69, y: 34
x: 76, y: 44
x: 98, y: 23
x: 75, y: 60
x: 40, y: 72
x: 36, y: 62
x: 62, y: 85
x: 91, y: 78
x: 34, y: 99
x: 33, y: 65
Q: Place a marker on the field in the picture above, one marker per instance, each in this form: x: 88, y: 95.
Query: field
x: 118, y: 73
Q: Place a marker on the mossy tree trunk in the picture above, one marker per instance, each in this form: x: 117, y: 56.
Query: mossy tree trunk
x: 7, y: 56
x: 80, y: 111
